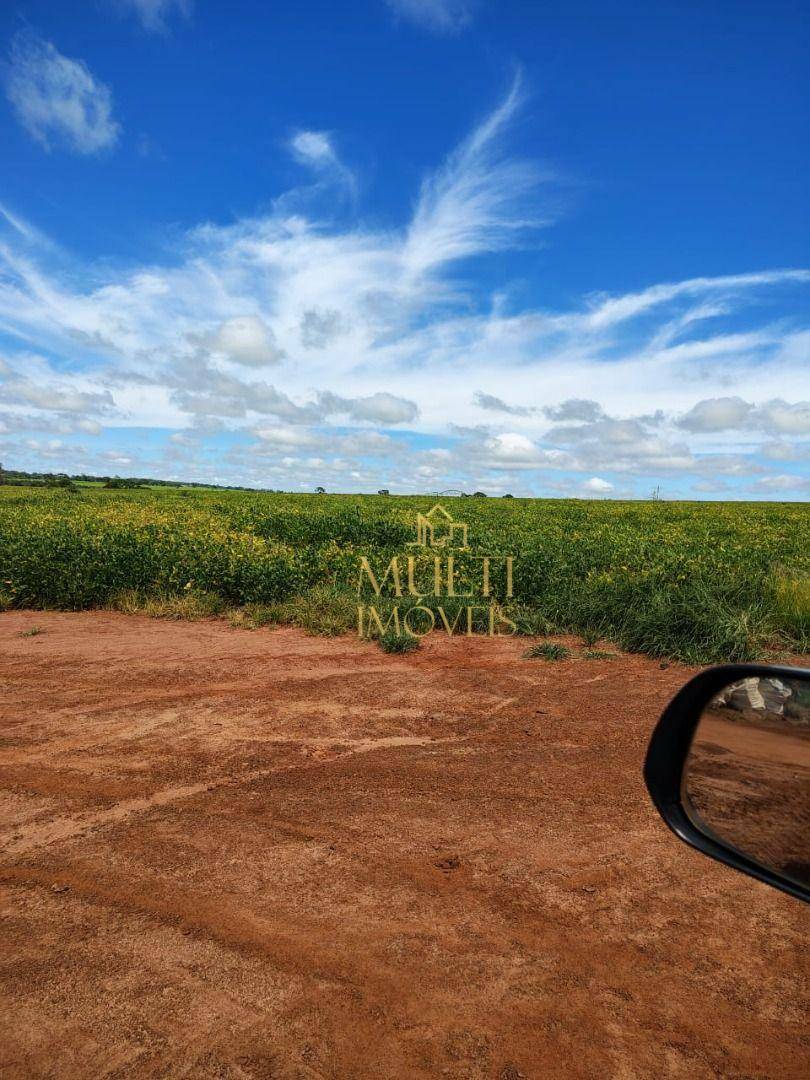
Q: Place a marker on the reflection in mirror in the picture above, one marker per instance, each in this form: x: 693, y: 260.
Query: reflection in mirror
x: 747, y: 777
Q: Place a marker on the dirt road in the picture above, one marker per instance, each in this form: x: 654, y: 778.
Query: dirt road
x: 257, y: 854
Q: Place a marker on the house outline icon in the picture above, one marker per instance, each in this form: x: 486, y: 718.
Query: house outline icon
x: 427, y: 526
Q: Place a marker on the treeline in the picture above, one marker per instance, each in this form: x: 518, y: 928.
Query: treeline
x: 20, y: 478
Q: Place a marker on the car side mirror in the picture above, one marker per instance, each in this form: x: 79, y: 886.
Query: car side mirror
x: 728, y: 768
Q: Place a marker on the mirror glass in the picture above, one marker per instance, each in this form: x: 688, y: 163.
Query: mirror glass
x: 747, y: 776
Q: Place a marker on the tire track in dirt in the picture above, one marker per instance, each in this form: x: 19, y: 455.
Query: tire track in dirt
x: 69, y: 827
x: 296, y: 879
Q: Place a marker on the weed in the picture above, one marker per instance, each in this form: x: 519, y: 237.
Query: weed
x: 391, y: 642
x: 252, y: 616
x: 547, y: 650
x: 323, y: 611
x: 186, y: 605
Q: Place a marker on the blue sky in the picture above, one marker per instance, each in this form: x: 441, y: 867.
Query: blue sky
x: 552, y: 249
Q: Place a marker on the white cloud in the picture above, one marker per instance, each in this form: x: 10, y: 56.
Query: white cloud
x: 57, y: 100
x: 492, y: 403
x: 286, y: 437
x: 785, y: 419
x: 441, y: 16
x: 379, y: 408
x: 478, y: 201
x: 313, y: 148
x: 316, y: 150
x: 54, y: 448
x: 716, y: 414
x: 622, y: 445
x: 597, y: 486
x: 368, y: 325
x: 115, y: 458
x: 479, y: 452
x: 782, y: 483
x: 63, y: 424
x: 24, y: 228
x: 711, y: 487
x: 512, y: 447
x: 732, y: 413
x: 320, y: 328
x: 153, y: 14
x: 781, y: 450
x: 246, y: 339
x: 608, y: 311
x: 574, y: 409
x: 48, y: 391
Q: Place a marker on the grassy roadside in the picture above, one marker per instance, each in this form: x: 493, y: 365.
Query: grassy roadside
x: 694, y: 582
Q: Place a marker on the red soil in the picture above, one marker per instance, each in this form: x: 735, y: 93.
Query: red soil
x: 235, y: 854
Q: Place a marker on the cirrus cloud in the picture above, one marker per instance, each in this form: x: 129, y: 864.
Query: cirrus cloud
x: 154, y: 14
x: 440, y: 16
x: 371, y: 325
x: 58, y: 100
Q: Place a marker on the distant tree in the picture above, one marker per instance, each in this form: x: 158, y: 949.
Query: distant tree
x: 383, y: 491
x: 479, y: 495
x: 320, y: 490
x: 60, y: 480
x: 507, y: 495
x: 121, y: 482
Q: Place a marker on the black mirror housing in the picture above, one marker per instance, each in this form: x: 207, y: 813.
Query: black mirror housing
x: 666, y: 762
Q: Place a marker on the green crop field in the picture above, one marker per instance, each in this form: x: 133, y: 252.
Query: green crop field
x: 697, y: 581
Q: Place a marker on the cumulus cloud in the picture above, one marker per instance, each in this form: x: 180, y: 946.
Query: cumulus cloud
x: 732, y: 413
x: 47, y: 391
x: 510, y: 449
x: 370, y: 326
x: 58, y: 100
x: 574, y: 409
x: 289, y: 438
x: 245, y: 339
x: 479, y: 452
x: 53, y: 449
x: 379, y: 408
x: 623, y: 445
x: 782, y: 418
x: 115, y: 458
x: 62, y: 424
x: 597, y: 486
x: 781, y: 450
x: 710, y: 487
x: 235, y: 399
x: 782, y: 483
x: 716, y: 414
x: 441, y: 16
x: 491, y: 403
